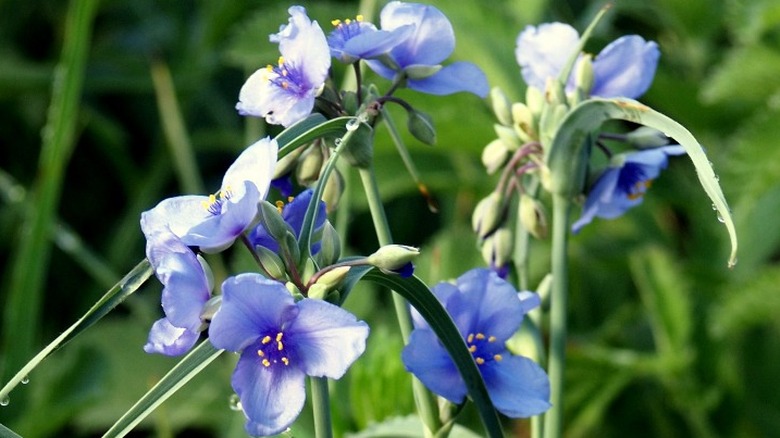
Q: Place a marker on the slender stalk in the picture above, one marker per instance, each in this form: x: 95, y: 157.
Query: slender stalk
x: 321, y: 407
x: 425, y: 401
x: 553, y: 420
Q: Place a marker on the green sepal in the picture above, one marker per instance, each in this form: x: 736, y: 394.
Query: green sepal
x: 420, y: 125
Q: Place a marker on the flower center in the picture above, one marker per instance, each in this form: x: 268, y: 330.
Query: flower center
x: 215, y: 201
x: 639, y: 188
x: 481, y: 348
x: 348, y: 28
x: 288, y: 77
x: 272, y: 351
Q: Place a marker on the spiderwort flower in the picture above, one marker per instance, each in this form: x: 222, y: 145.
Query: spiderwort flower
x: 285, y: 93
x: 624, y: 68
x: 353, y: 40
x: 293, y: 213
x: 418, y: 58
x: 624, y: 183
x: 186, y: 289
x: 487, y: 311
x: 281, y: 342
x: 213, y: 222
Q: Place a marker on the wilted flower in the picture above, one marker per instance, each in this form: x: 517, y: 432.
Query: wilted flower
x: 623, y: 183
x: 418, y: 58
x: 624, y: 68
x: 213, y: 222
x: 487, y: 311
x: 186, y: 289
x: 281, y: 342
x: 285, y: 93
x: 353, y: 40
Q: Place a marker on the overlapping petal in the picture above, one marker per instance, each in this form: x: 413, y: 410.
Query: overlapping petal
x: 429, y: 361
x: 165, y: 338
x: 542, y: 51
x: 353, y: 40
x: 518, y: 386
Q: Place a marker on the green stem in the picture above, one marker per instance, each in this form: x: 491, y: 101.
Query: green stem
x: 425, y: 401
x: 553, y: 421
x: 321, y: 406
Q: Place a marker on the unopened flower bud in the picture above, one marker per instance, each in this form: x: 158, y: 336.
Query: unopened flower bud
x: 647, y: 137
x: 501, y: 106
x: 533, y: 217
x: 421, y: 71
x: 488, y: 214
x: 289, y: 246
x: 392, y: 257
x: 420, y: 125
x: 523, y: 122
x: 333, y: 277
x: 330, y: 245
x: 497, y: 248
x: 272, y: 221
x: 309, y: 165
x: 583, y: 74
x: 508, y: 136
x: 333, y: 190
x: 534, y: 99
x: 286, y: 163
x: 494, y: 155
x: 271, y: 262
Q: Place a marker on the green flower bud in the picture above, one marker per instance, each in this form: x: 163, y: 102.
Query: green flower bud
x: 420, y: 125
x: 583, y: 74
x: 333, y: 277
x: 271, y: 218
x: 508, y: 136
x: 333, y: 190
x: 523, y: 122
x: 349, y: 101
x: 497, y: 248
x: 421, y: 71
x: 286, y: 163
x: 309, y: 165
x: 289, y: 247
x: 495, y: 155
x: 533, y: 217
x: 271, y: 261
x: 488, y: 214
x: 534, y: 99
x: 501, y: 106
x: 330, y: 245
x: 359, y: 152
x: 318, y: 291
x: 647, y: 137
x: 392, y: 257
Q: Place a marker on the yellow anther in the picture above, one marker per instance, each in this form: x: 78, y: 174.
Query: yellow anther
x: 269, y: 68
x: 285, y: 361
x: 480, y: 336
x: 279, y: 205
x: 260, y: 353
x: 480, y: 361
x: 279, y: 336
x: 266, y: 363
x: 266, y: 339
x: 347, y: 21
x: 473, y: 348
x: 285, y: 85
x: 280, y: 61
x: 498, y: 357
x: 359, y: 18
x: 492, y: 339
x: 470, y: 338
x: 290, y: 199
x: 279, y: 345
x: 335, y: 22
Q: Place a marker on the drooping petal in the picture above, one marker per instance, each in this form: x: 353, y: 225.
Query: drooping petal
x: 601, y: 191
x: 453, y: 78
x: 426, y: 358
x: 186, y: 288
x: 255, y: 164
x: 327, y: 339
x: 271, y: 397
x: 433, y: 39
x: 166, y: 339
x: 517, y: 386
x: 625, y: 68
x: 251, y: 307
x: 543, y: 51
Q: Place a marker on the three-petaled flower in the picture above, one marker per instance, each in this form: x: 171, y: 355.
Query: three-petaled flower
x: 623, y: 183
x: 187, y: 287
x: 213, y: 222
x: 487, y: 311
x: 281, y: 342
x: 285, y: 93
x: 624, y: 68
x: 418, y: 58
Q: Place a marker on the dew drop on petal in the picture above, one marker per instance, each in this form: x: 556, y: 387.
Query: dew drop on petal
x: 5, y: 401
x: 235, y: 403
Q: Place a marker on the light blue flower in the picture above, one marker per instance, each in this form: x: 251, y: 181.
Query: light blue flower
x: 623, y: 183
x: 293, y: 213
x: 281, y: 342
x: 214, y: 222
x: 487, y: 311
x: 285, y: 93
x: 353, y: 40
x: 624, y: 68
x: 418, y: 58
x: 186, y: 289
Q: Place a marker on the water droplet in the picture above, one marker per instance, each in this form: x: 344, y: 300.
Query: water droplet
x: 363, y: 117
x: 720, y: 219
x: 25, y: 380
x: 353, y: 124
x: 5, y: 401
x: 235, y: 403
x: 717, y: 178
x: 714, y: 207
x: 337, y: 142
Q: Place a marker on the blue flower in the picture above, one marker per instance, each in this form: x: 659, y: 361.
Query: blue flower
x: 292, y: 213
x: 353, y: 40
x: 186, y: 289
x: 418, y: 58
x: 625, y: 68
x: 213, y: 222
x: 487, y: 311
x: 281, y: 342
x: 285, y: 93
x: 624, y: 183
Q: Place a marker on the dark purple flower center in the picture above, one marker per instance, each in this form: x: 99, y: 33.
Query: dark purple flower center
x: 215, y: 202
x: 272, y: 351
x: 483, y: 348
x: 288, y: 77
x: 633, y: 181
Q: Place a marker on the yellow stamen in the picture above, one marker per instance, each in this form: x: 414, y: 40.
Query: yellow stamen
x: 285, y: 85
x: 480, y: 336
x: 281, y: 61
x: 359, y: 18
x: 290, y: 199
x: 347, y: 21
x: 279, y: 346
x: 286, y: 361
x: 260, y: 353
x: 473, y: 348
x: 480, y: 361
x: 470, y: 338
x: 492, y: 339
x: 279, y: 336
x: 279, y: 205
x: 266, y: 340
x: 266, y: 363
x: 498, y: 357
x: 269, y: 68
x: 335, y: 22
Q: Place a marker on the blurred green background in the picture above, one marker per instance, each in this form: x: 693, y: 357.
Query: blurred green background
x: 665, y: 340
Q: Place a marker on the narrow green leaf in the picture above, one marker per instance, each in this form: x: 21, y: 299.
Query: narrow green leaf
x: 422, y: 299
x: 308, y: 129
x: 8, y: 433
x: 588, y: 116
x: 126, y: 286
x: 178, y: 376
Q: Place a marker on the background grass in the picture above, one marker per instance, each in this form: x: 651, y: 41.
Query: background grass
x: 665, y: 341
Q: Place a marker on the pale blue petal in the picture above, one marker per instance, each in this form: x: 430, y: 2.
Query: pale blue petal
x: 166, y: 339
x: 252, y: 306
x: 543, y: 51
x: 186, y: 289
x: 272, y: 398
x: 426, y: 358
x: 303, y: 46
x: 177, y: 215
x: 433, y: 39
x: 625, y: 68
x: 327, y: 339
x: 255, y: 164
x: 453, y: 78
x: 517, y: 386
x: 372, y: 44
